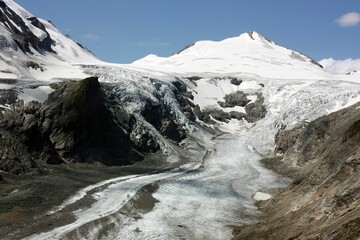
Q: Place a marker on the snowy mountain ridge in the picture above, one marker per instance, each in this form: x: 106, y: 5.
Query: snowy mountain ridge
x: 248, y: 53
x: 39, y: 49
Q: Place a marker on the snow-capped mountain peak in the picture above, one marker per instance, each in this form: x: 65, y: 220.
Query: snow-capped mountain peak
x: 249, y: 53
x: 40, y: 49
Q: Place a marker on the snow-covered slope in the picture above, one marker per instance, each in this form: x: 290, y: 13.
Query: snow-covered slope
x: 32, y: 48
x: 248, y: 53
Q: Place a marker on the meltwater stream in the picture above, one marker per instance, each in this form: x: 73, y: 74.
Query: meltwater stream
x: 201, y: 200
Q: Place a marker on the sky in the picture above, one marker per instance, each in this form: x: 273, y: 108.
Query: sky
x: 123, y: 31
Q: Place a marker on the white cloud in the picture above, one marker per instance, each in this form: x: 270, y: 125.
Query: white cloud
x: 349, y: 20
x: 340, y: 66
x: 91, y: 36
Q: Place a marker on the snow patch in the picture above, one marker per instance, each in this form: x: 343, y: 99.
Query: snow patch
x: 260, y: 196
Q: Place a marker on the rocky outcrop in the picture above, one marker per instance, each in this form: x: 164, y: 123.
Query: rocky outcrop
x: 7, y: 97
x: 235, y: 81
x: 73, y: 125
x: 14, y: 155
x: 194, y: 78
x: 183, y: 95
x: 161, y: 119
x: 255, y: 110
x: 324, y: 200
x: 238, y: 98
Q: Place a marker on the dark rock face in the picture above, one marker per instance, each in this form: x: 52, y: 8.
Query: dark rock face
x: 8, y: 96
x: 236, y: 81
x: 238, y: 98
x: 285, y: 140
x: 14, y: 156
x: 219, y: 115
x: 237, y: 115
x: 34, y: 65
x: 25, y: 38
x: 255, y: 110
x: 142, y: 139
x: 182, y: 96
x: 153, y: 113
x: 194, y: 78
x: 73, y: 125
x: 182, y: 90
x: 324, y: 200
x: 158, y: 116
x: 171, y: 130
x: 203, y: 115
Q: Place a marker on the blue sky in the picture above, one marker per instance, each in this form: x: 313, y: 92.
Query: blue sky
x: 125, y: 30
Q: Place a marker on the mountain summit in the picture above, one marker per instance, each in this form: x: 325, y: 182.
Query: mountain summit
x: 249, y: 53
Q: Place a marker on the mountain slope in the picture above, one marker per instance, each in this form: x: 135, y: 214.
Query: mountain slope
x: 249, y: 53
x: 40, y: 50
